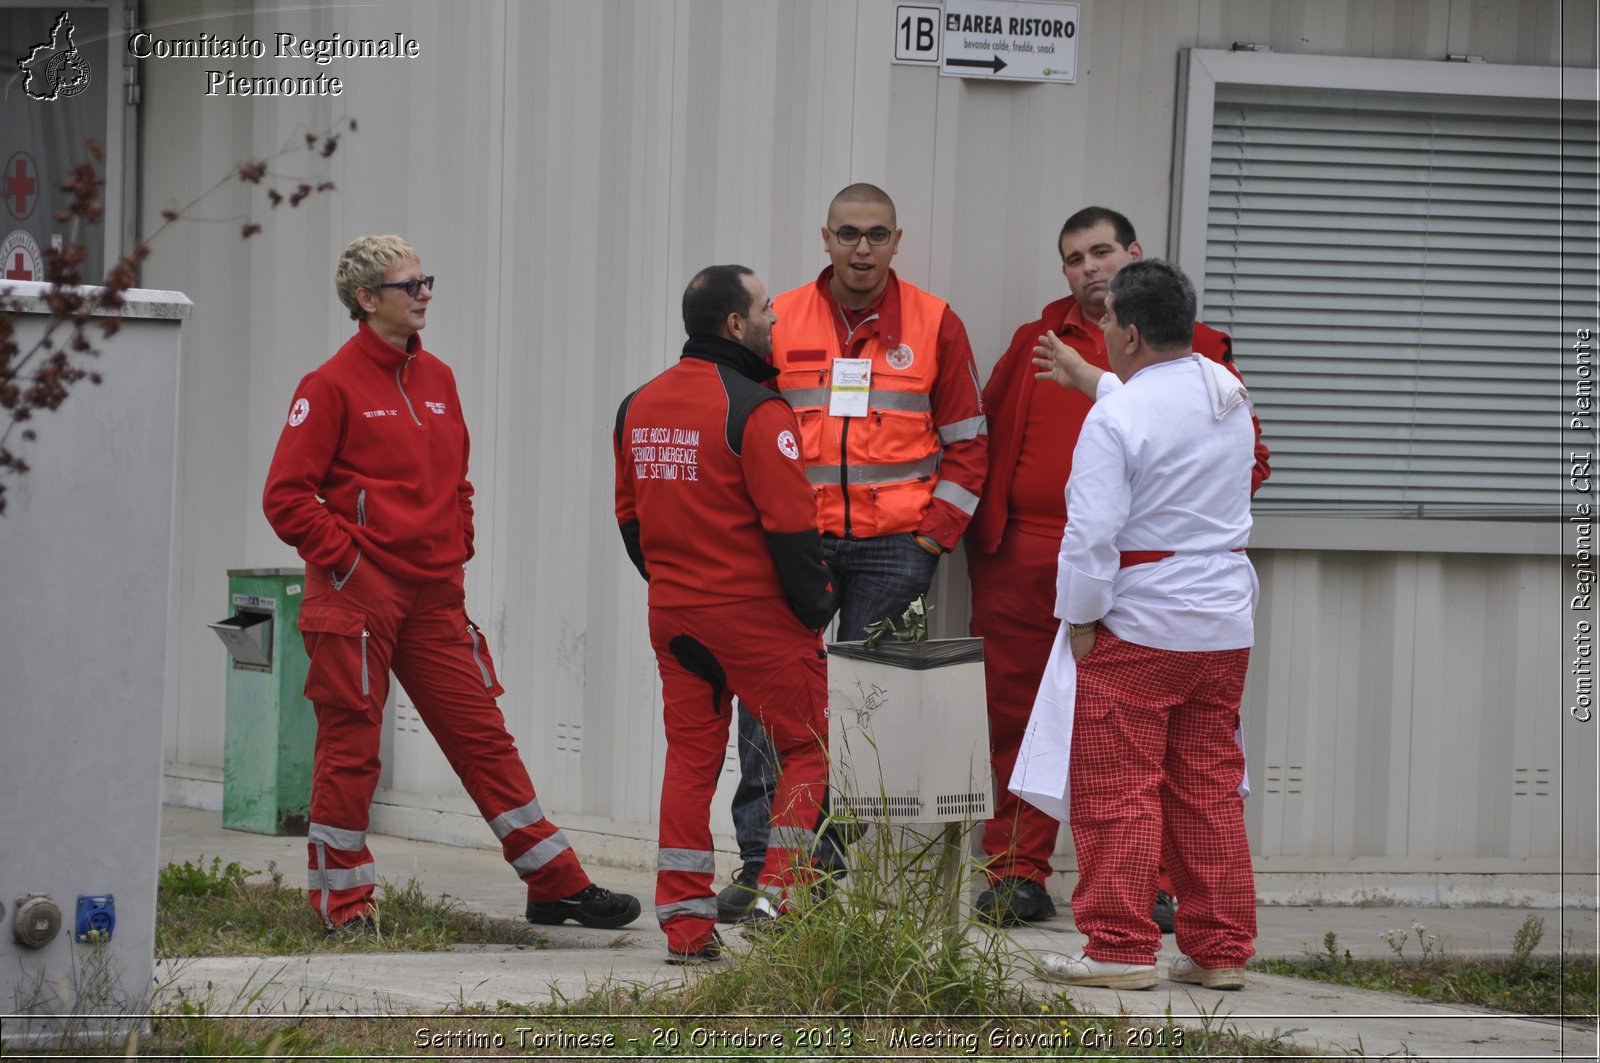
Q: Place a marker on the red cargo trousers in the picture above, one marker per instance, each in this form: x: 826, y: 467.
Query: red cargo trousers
x: 355, y: 637
x: 760, y: 652
x: 1013, y: 603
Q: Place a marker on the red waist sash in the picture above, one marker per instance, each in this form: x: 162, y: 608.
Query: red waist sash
x: 1150, y: 557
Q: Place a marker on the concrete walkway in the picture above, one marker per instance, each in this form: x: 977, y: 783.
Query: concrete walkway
x: 1308, y: 1015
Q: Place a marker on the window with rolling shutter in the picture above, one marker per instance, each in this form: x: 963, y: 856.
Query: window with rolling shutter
x: 1401, y: 273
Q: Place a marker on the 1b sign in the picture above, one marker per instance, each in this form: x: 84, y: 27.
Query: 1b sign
x: 916, y: 34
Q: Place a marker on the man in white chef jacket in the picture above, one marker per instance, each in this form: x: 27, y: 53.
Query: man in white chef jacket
x: 1159, y: 598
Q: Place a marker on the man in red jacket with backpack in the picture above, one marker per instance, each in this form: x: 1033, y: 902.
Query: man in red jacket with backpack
x: 716, y: 512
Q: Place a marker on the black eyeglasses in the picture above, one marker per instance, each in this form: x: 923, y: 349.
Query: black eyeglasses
x: 412, y: 288
x: 850, y: 236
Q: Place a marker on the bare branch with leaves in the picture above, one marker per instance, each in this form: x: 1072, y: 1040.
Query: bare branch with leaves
x: 42, y: 377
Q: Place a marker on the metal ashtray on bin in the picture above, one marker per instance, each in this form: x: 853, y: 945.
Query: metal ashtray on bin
x: 271, y: 729
x: 248, y: 636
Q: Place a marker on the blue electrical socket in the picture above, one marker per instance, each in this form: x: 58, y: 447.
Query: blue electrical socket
x: 97, y: 918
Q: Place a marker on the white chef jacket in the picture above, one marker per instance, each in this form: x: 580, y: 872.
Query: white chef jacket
x: 1163, y: 464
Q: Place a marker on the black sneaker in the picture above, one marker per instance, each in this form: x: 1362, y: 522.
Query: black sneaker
x: 735, y: 900
x: 593, y: 906
x: 1014, y: 900
x: 1166, y: 911
x: 711, y: 950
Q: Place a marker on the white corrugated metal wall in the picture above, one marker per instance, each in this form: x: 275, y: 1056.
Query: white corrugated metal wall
x: 564, y: 167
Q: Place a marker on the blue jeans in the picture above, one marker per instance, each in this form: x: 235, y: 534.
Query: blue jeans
x: 875, y: 578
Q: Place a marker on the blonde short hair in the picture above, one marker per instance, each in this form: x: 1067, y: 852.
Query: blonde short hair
x: 364, y: 264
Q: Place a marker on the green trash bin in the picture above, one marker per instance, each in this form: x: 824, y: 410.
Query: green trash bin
x: 271, y: 727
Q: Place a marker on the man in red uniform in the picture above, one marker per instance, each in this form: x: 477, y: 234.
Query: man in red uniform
x: 716, y: 514
x: 369, y: 484
x: 1015, y: 537
x: 881, y: 377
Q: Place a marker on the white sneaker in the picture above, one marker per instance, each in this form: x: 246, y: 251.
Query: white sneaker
x: 1184, y: 969
x: 1083, y: 970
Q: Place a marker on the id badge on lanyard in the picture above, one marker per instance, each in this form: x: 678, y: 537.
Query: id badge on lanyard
x: 852, y: 383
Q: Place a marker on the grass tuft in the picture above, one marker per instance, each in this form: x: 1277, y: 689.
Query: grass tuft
x: 196, y: 881
x: 1527, y: 938
x: 887, y: 941
x: 1518, y: 983
x: 216, y: 911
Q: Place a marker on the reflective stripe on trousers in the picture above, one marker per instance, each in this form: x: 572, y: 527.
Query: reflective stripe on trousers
x: 541, y: 854
x: 798, y: 838
x: 701, y: 860
x: 322, y: 881
x: 516, y: 819
x: 698, y: 907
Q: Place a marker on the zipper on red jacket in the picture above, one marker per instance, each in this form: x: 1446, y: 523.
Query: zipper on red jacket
x: 398, y: 384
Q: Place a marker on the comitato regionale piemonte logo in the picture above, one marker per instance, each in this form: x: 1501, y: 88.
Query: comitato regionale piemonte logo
x: 55, y: 69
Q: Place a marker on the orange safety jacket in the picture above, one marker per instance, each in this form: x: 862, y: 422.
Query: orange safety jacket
x: 872, y: 475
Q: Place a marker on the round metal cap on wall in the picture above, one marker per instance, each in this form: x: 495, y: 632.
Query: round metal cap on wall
x: 37, y: 921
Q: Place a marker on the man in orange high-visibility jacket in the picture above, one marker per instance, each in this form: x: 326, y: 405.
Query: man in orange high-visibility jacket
x: 1014, y: 542
x: 882, y: 380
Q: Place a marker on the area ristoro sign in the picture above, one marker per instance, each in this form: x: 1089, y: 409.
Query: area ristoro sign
x: 1010, y: 40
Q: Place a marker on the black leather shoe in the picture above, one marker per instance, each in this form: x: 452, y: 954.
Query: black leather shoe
x: 735, y: 900
x: 1166, y: 911
x: 1014, y: 900
x: 711, y: 950
x: 593, y: 906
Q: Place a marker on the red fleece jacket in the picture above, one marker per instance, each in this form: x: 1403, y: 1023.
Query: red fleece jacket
x: 372, y: 464
x: 711, y: 494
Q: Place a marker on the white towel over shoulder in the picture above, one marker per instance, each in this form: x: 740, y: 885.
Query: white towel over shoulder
x: 1227, y: 391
